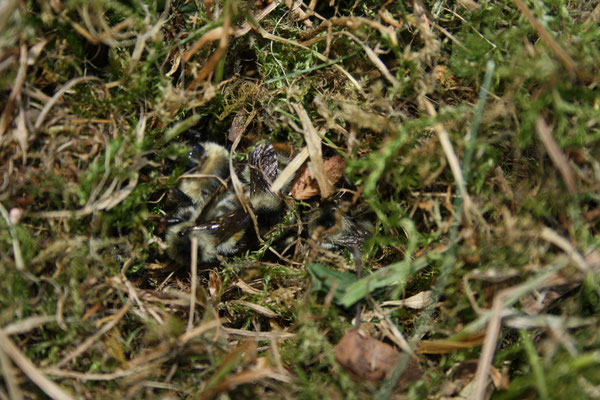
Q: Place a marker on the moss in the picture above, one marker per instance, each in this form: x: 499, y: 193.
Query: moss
x: 92, y: 241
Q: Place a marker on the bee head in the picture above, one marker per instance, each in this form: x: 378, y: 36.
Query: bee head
x: 333, y: 228
x: 208, y: 155
x: 325, y: 220
x: 195, y: 155
x: 179, y: 239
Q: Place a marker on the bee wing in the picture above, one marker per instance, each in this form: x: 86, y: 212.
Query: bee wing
x: 354, y: 235
x: 263, y: 168
x: 229, y: 225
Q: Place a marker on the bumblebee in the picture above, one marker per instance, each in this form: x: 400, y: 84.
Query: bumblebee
x: 209, y: 210
x: 333, y: 228
x: 212, y: 213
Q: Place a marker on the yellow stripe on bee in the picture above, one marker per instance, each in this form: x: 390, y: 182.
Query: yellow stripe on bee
x: 238, y: 236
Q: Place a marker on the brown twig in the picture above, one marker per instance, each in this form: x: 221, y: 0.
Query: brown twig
x: 217, y: 55
x: 210, y: 36
x: 15, y: 94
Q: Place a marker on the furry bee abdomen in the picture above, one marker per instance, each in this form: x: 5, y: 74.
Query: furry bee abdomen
x: 212, y: 170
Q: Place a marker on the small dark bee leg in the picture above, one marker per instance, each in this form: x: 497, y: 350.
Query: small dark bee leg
x: 357, y: 256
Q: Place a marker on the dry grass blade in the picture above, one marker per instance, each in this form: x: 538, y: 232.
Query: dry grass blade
x: 106, y: 203
x: 489, y: 345
x: 193, y: 286
x: 246, y: 27
x: 259, y: 335
x: 253, y: 376
x: 199, y: 330
x: 255, y: 307
x: 238, y: 188
x: 554, y: 238
x: 27, y: 324
x: 90, y: 37
x: 168, y: 386
x: 556, y: 155
x: 92, y: 339
x: 375, y: 60
x: 594, y: 16
x: 20, y: 133
x: 48, y: 106
x: 81, y: 376
x: 418, y: 301
x: 163, y: 351
x: 452, y: 159
x: 6, y: 9
x: 562, y: 55
x: 448, y: 346
x: 30, y: 370
x: 313, y: 143
x: 246, y: 288
x: 14, y: 392
x: 141, y: 40
x: 394, y: 333
x: 289, y: 171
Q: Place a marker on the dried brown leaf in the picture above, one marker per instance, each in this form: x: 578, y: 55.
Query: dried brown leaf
x: 305, y: 186
x: 501, y: 379
x: 313, y: 143
x: 214, y: 283
x: 365, y: 357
